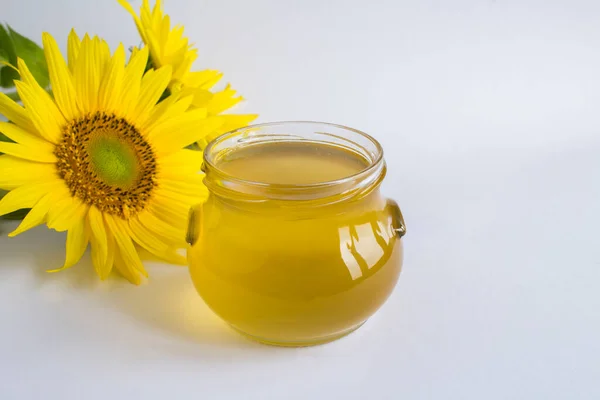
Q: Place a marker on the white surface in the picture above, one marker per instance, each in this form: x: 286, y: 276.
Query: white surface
x: 488, y: 111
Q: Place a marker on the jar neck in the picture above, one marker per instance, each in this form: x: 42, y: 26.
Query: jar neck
x: 227, y: 187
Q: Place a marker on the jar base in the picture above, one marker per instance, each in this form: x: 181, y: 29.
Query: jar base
x: 307, y: 343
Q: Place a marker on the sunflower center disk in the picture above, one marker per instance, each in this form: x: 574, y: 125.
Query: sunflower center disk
x: 113, y: 161
x: 107, y: 163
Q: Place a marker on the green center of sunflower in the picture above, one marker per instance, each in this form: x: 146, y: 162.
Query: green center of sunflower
x: 113, y: 160
x: 106, y: 162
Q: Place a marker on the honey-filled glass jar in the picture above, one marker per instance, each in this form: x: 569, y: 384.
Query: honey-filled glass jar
x: 295, y: 244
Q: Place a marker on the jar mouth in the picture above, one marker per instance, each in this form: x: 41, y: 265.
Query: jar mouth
x: 294, y: 131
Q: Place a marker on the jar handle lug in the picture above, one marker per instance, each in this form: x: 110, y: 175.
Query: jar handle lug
x: 194, y: 220
x: 398, y: 225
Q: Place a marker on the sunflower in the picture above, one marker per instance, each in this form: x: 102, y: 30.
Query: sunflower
x: 170, y: 47
x: 102, y: 158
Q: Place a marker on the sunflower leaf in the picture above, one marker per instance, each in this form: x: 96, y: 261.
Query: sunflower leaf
x: 13, y: 95
x: 7, y: 77
x: 3, y: 56
x: 8, y: 55
x: 17, y: 215
x: 6, y: 45
x: 32, y: 54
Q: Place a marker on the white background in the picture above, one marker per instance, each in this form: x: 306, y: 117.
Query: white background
x: 489, y: 115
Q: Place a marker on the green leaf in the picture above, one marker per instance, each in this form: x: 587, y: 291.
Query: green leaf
x: 16, y: 215
x: 164, y: 95
x: 3, y: 138
x: 7, y: 77
x: 6, y: 45
x: 7, y: 49
x: 33, y: 55
x: 13, y: 96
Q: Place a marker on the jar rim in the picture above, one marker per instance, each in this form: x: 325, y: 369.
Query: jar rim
x: 374, y: 157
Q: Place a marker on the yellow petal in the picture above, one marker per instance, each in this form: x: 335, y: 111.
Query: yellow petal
x: 100, y: 260
x: 131, y: 80
x: 155, y: 49
x: 163, y: 29
x: 153, y: 86
x: 126, y: 248
x: 190, y: 128
x: 77, y: 241
x: 60, y: 78
x: 175, y: 215
x: 86, y: 76
x: 36, y: 216
x: 202, y: 97
x: 173, y: 123
x: 234, y: 121
x: 125, y: 4
x: 112, y: 81
x: 208, y: 84
x: 25, y: 137
x: 223, y: 100
x: 66, y: 212
x: 177, y: 201
x: 217, y: 102
x: 175, y: 212
x: 153, y: 244
x: 175, y: 197
x: 42, y: 111
x: 158, y: 114
x: 17, y: 171
x: 145, y: 13
x: 169, y: 108
x: 27, y: 153
x: 175, y: 237
x: 110, y: 257
x: 73, y: 46
x: 187, y: 57
x: 26, y: 196
x: 182, y: 162
x: 102, y: 54
x: 15, y: 113
x: 98, y: 241
x: 230, y: 122
x: 190, y: 186
x: 130, y: 273
x: 156, y: 11
x: 203, y: 79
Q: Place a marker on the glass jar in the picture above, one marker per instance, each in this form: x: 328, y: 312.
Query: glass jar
x: 295, y: 264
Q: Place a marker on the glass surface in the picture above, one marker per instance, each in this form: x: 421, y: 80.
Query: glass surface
x: 295, y: 244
